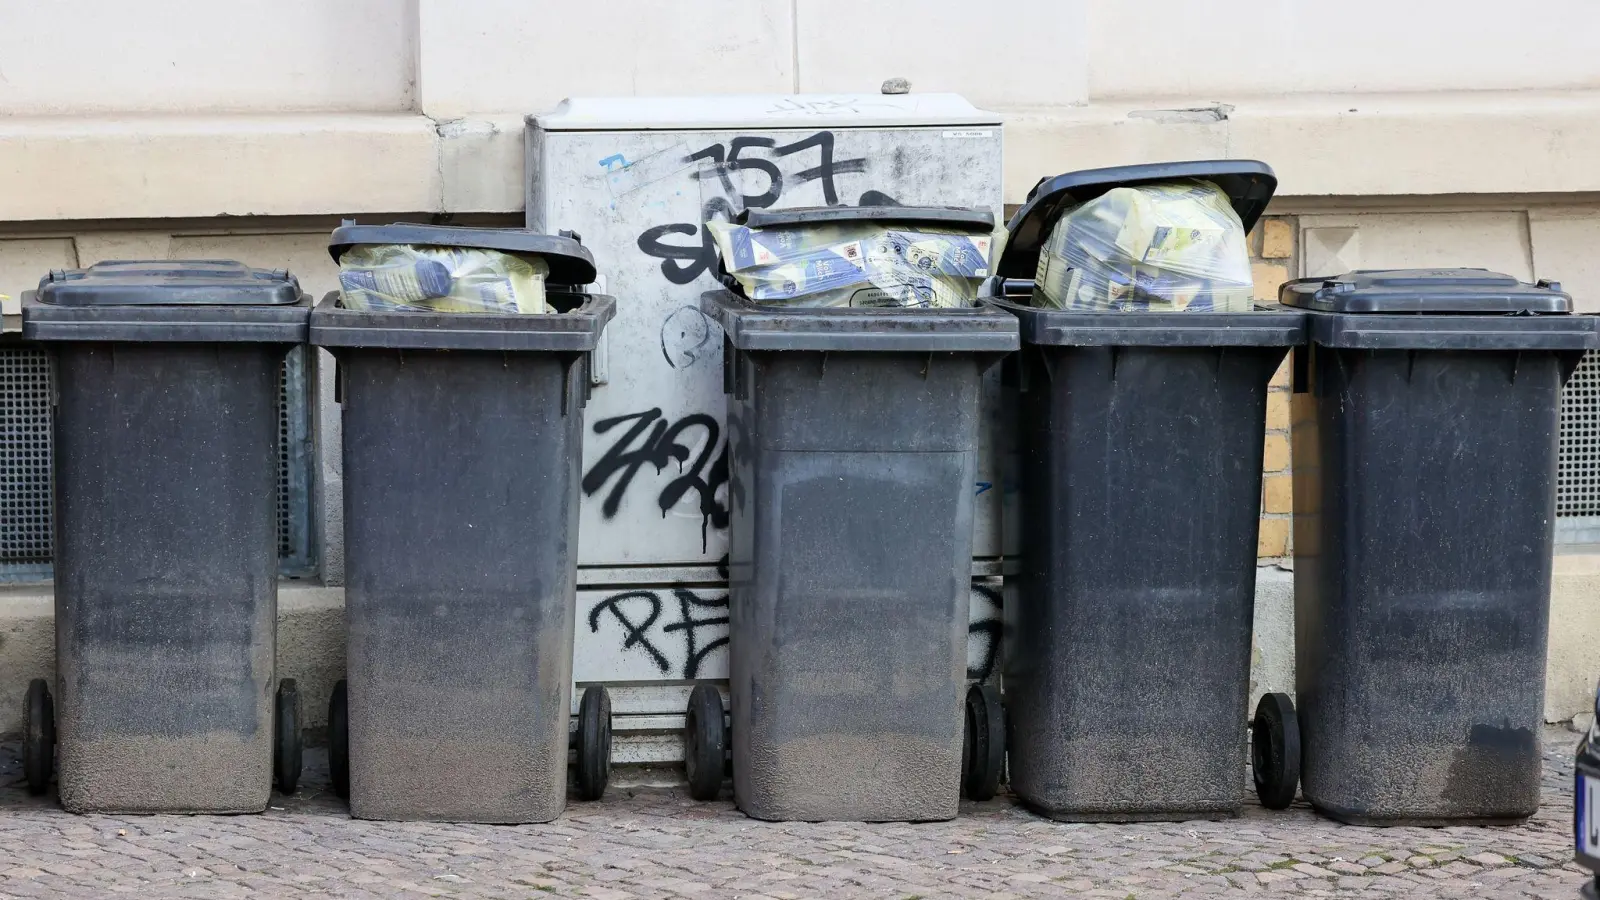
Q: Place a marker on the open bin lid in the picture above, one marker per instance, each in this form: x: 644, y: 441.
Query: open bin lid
x: 1249, y: 185
x: 569, y: 261
x: 938, y: 216
x: 169, y: 283
x: 1426, y: 291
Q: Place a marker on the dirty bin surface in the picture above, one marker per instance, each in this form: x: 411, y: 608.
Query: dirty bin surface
x: 1131, y: 516
x: 853, y: 440
x: 1129, y: 605
x: 1425, y: 420
x: 462, y: 436
x: 166, y: 529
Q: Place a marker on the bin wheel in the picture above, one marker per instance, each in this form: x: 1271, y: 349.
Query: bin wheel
x: 1275, y: 751
x: 983, y: 752
x: 594, y: 743
x: 339, y: 740
x: 705, y: 743
x: 39, y: 738
x: 286, y: 756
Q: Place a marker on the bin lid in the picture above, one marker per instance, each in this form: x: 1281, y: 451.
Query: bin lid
x: 569, y: 261
x: 193, y: 282
x: 1440, y: 291
x: 940, y: 216
x: 1249, y: 185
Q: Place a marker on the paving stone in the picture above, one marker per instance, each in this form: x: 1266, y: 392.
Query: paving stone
x: 658, y: 843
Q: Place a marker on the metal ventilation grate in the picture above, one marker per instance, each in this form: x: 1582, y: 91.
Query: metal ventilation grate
x: 26, y: 444
x: 285, y: 533
x: 1578, y: 478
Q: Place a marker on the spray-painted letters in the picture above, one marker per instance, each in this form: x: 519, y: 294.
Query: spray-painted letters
x: 675, y: 633
x: 638, y: 612
x: 683, y: 263
x: 651, y: 440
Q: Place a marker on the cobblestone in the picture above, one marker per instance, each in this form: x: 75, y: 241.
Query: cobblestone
x: 654, y: 842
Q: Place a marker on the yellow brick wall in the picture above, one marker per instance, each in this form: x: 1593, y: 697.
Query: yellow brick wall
x: 1272, y: 252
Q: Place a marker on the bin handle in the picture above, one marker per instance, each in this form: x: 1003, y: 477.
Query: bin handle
x: 583, y: 387
x: 733, y: 369
x: 566, y: 387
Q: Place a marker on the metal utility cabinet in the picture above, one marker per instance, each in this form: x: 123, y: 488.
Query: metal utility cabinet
x: 636, y: 178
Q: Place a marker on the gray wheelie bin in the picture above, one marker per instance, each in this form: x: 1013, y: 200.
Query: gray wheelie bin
x: 1133, y: 516
x: 1425, y: 419
x: 853, y: 437
x: 462, y: 438
x: 166, y: 537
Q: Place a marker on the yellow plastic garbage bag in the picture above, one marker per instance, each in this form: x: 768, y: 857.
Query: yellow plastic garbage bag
x: 858, y: 264
x: 1177, y: 246
x: 398, y: 277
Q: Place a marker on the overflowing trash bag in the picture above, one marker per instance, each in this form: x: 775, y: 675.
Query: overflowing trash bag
x: 863, y: 264
x: 1174, y: 246
x: 398, y: 277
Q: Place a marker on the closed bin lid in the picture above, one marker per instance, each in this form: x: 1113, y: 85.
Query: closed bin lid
x: 937, y: 216
x: 1435, y: 291
x: 569, y: 261
x: 1249, y: 185
x: 169, y: 283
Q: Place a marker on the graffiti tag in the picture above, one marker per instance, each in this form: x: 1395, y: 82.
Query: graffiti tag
x: 651, y: 440
x: 638, y: 611
x: 687, y: 336
x: 682, y: 263
x: 678, y: 629
x: 983, y: 634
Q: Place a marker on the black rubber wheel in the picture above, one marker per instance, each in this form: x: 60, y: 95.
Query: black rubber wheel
x: 39, y: 738
x: 286, y: 755
x: 705, y: 743
x: 594, y: 743
x: 339, y: 740
x: 983, y: 752
x: 1275, y: 751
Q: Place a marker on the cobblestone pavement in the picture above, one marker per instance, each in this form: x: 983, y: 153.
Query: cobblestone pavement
x: 652, y: 842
